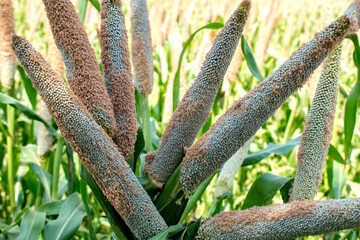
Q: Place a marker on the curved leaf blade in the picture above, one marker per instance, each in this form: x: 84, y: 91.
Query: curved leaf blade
x: 5, y: 99
x: 44, y: 178
x: 250, y: 59
x: 31, y: 225
x: 279, y: 149
x: 176, y: 86
x: 264, y: 189
x: 69, y: 220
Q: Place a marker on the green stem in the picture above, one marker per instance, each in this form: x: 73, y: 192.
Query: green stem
x: 56, y: 169
x: 145, y: 115
x: 10, y: 149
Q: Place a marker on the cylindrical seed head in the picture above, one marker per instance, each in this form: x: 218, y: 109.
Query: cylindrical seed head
x: 141, y: 47
x: 7, y: 57
x: 95, y: 149
x: 283, y: 221
x: 195, y: 107
x: 315, y: 140
x: 115, y: 60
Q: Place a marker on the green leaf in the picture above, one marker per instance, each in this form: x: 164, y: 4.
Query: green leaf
x: 352, y: 101
x: 170, y: 189
x: 334, y: 154
x: 279, y: 149
x: 70, y: 217
x: 44, y: 178
x: 169, y: 232
x: 31, y: 225
x: 29, y: 154
x: 82, y: 9
x: 285, y: 190
x: 194, y: 198
x: 250, y: 59
x: 191, y: 230
x: 51, y: 208
x: 173, y: 210
x: 117, y: 223
x: 5, y: 99
x: 338, y: 180
x: 263, y: 190
x: 84, y: 197
x: 96, y: 4
x: 139, y: 146
x: 176, y: 87
x: 30, y: 90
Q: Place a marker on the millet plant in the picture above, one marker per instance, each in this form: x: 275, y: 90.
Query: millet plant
x: 95, y: 111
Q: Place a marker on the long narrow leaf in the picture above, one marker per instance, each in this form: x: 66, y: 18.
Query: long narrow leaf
x: 30, y: 90
x: 69, y: 220
x: 352, y: 101
x: 31, y: 225
x: 5, y: 99
x: 96, y: 4
x: 44, y: 178
x: 250, y: 59
x: 194, y: 198
x: 82, y: 9
x: 279, y: 149
x: 176, y: 87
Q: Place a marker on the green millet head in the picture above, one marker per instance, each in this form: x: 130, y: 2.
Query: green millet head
x: 195, y: 107
x: 7, y: 57
x: 315, y: 140
x: 283, y: 221
x: 44, y: 137
x: 249, y: 113
x: 230, y: 169
x: 95, y: 149
x: 117, y: 74
x: 83, y: 72
x: 141, y: 47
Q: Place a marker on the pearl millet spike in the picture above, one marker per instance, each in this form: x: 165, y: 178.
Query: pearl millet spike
x: 82, y: 69
x: 95, y: 149
x: 115, y: 61
x: 283, y: 221
x: 195, y: 107
x: 249, y: 113
x: 7, y: 58
x: 141, y: 47
x: 315, y: 140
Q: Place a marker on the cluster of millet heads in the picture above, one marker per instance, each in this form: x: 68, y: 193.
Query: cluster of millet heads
x: 97, y: 116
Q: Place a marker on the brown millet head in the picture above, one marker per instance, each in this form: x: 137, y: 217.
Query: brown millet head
x: 95, y: 149
x: 7, y: 57
x: 248, y: 114
x: 283, y: 221
x: 315, y: 140
x: 141, y: 47
x: 115, y: 60
x: 195, y: 107
x: 83, y: 72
